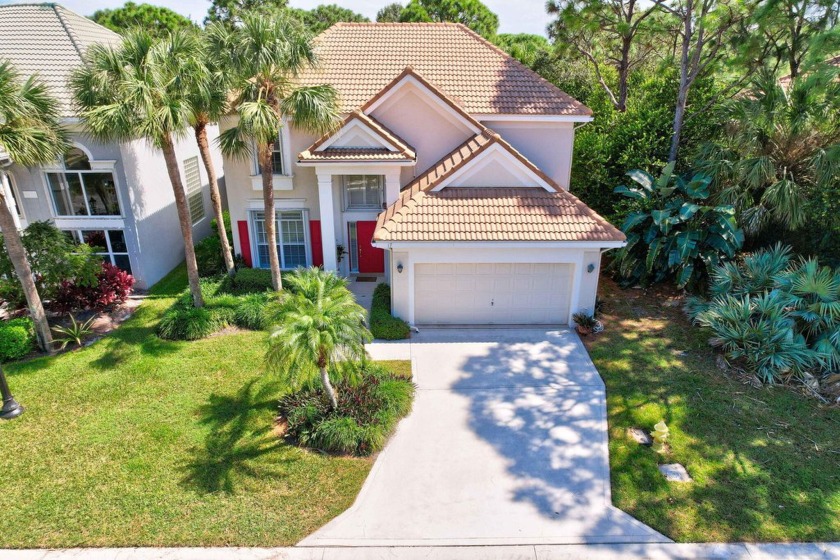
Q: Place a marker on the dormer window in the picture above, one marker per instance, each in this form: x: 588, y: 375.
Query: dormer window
x: 77, y: 189
x: 364, y: 192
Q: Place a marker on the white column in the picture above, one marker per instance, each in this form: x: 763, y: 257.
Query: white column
x: 325, y: 202
x: 10, y: 200
x: 392, y: 186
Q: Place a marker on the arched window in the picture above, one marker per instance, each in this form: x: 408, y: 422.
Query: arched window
x: 80, y: 190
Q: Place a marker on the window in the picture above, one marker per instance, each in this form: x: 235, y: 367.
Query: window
x: 291, y: 238
x: 277, y: 157
x: 80, y: 191
x: 195, y: 198
x: 109, y: 244
x: 363, y: 191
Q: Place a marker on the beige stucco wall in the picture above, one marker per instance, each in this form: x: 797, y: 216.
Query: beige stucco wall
x: 548, y: 145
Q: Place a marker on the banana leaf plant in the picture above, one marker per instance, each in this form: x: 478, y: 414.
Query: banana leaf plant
x: 674, y: 233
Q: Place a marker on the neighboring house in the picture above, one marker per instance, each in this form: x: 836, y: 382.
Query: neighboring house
x: 117, y: 197
x: 449, y: 175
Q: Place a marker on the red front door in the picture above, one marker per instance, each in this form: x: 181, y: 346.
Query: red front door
x: 370, y: 259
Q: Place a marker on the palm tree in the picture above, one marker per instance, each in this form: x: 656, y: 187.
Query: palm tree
x: 30, y: 134
x: 139, y: 90
x: 320, y: 323
x: 267, y: 53
x: 208, y: 91
x: 780, y: 149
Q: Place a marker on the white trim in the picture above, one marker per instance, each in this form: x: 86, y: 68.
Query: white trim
x: 355, y: 123
x: 344, y: 163
x: 533, y: 118
x: 103, y: 165
x: 252, y: 235
x: 404, y: 245
x: 279, y: 204
x: 279, y: 182
x: 498, y: 151
x: 88, y: 222
x: 408, y: 80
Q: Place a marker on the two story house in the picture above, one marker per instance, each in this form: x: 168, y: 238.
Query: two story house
x: 449, y: 176
x: 116, y: 197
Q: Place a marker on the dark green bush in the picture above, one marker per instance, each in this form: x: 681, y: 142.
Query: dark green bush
x: 188, y: 323
x: 208, y: 256
x: 368, y: 410
x: 248, y: 281
x: 383, y: 325
x: 256, y: 311
x: 17, y: 338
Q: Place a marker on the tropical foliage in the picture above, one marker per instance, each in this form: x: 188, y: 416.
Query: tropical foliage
x: 674, y: 232
x: 157, y: 20
x: 319, y: 324
x: 776, y: 316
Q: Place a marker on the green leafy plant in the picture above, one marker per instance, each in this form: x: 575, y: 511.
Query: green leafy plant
x: 17, y: 338
x: 74, y: 333
x: 383, y: 325
x: 187, y: 323
x: 584, y: 321
x: 370, y: 403
x: 256, y: 311
x: 673, y: 233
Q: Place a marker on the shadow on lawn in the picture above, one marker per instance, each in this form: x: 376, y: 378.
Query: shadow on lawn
x: 240, y: 435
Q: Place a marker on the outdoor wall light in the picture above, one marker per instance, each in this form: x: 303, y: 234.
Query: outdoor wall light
x: 590, y: 268
x: 399, y: 268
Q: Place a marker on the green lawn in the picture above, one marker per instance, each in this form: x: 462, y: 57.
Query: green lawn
x: 140, y: 441
x: 765, y: 461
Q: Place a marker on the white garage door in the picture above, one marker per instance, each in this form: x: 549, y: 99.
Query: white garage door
x: 497, y: 293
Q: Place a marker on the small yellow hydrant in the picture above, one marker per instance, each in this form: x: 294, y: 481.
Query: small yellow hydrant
x: 660, y: 436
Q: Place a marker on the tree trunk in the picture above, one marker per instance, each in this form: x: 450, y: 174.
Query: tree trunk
x: 682, y: 96
x: 184, y: 219
x: 266, y: 170
x: 215, y: 198
x: 325, y: 379
x: 17, y: 254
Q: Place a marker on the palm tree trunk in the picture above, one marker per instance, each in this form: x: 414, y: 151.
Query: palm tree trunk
x: 325, y: 379
x: 17, y: 254
x: 184, y: 218
x: 215, y: 198
x: 267, y: 170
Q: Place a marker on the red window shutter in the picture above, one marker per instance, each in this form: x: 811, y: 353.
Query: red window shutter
x: 315, y: 239
x: 244, y: 242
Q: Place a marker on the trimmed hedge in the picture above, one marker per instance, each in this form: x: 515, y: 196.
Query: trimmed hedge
x: 368, y: 410
x: 383, y: 325
x: 247, y: 281
x: 17, y: 338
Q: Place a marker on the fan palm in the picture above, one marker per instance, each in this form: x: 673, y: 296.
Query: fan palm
x: 266, y: 54
x: 320, y: 323
x: 30, y: 133
x: 139, y: 89
x: 207, y: 92
x: 781, y: 148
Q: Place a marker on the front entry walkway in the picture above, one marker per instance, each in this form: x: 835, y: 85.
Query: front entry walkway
x: 506, y: 445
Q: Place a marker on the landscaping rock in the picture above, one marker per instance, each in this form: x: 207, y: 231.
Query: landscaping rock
x: 675, y: 472
x: 639, y: 436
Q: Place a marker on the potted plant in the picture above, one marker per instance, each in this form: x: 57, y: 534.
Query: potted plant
x: 584, y: 322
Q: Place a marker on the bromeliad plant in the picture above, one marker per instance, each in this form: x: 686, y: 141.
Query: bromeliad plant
x: 674, y: 232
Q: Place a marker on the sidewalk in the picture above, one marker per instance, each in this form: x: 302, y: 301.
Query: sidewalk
x: 806, y: 551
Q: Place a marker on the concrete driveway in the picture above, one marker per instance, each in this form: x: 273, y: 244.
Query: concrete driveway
x: 506, y: 444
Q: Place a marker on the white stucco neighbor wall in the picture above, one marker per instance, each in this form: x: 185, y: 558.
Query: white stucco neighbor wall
x: 584, y: 284
x: 548, y: 145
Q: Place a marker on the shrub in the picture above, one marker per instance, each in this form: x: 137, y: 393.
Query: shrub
x: 113, y: 286
x: 54, y: 259
x: 208, y: 256
x: 255, y: 312
x: 672, y: 233
x: 368, y: 410
x: 187, y: 323
x: 17, y: 338
x: 74, y: 333
x: 775, y: 317
x: 383, y: 325
x: 248, y: 281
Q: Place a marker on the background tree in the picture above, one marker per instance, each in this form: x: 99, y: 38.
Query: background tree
x: 266, y: 53
x: 390, y: 13
x: 140, y: 89
x: 228, y: 12
x: 704, y: 27
x: 324, y: 16
x: 605, y: 32
x: 472, y: 13
x: 320, y: 324
x: 207, y: 90
x: 156, y: 20
x: 31, y: 133
x: 527, y: 48
x: 778, y: 161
